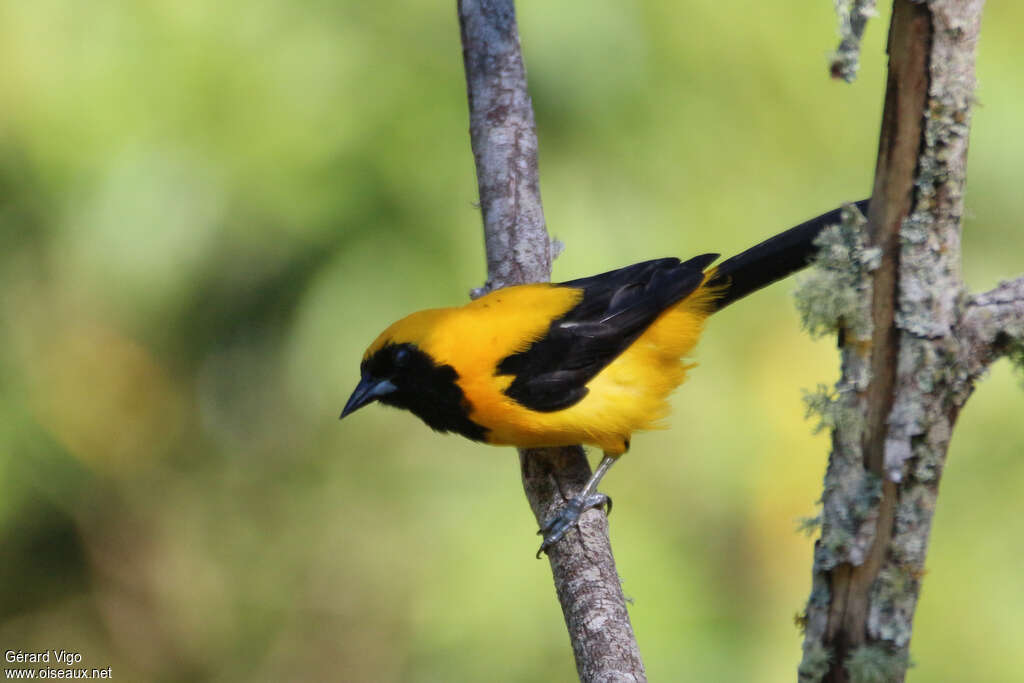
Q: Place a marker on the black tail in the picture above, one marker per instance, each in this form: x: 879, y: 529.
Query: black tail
x: 772, y: 259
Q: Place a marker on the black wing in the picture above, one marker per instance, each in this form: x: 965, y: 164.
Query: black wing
x: 616, y: 308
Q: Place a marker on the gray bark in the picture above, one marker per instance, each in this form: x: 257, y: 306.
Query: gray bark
x: 993, y: 326
x: 910, y: 362
x: 853, y: 18
x: 504, y: 141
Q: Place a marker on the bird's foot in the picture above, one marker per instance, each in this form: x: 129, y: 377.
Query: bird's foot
x: 569, y: 516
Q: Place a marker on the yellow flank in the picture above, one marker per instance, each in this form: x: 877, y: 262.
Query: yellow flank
x: 627, y: 395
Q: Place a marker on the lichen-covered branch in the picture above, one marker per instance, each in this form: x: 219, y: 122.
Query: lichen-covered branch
x: 504, y: 140
x: 904, y: 384
x: 993, y: 326
x: 853, y: 18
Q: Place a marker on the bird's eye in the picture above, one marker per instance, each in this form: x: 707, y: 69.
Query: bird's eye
x: 401, y: 357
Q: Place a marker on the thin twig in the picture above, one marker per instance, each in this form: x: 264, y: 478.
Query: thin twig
x: 503, y: 136
x: 993, y: 326
x: 853, y: 18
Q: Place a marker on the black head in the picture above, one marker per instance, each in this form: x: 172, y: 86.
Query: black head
x: 404, y: 376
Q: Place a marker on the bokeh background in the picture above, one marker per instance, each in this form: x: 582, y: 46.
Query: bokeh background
x: 207, y: 210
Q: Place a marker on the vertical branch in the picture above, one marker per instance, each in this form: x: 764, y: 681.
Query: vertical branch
x: 853, y: 18
x: 903, y: 383
x: 504, y: 141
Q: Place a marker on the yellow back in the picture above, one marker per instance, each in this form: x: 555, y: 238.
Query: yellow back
x: 627, y: 395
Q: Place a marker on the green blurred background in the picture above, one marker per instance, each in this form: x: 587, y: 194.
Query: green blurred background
x: 207, y: 210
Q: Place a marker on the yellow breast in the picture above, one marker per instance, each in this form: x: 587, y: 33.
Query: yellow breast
x: 627, y: 395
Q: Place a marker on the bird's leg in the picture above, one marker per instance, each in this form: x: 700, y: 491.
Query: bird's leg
x: 569, y: 515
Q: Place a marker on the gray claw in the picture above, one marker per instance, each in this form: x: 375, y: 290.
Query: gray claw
x: 568, y: 517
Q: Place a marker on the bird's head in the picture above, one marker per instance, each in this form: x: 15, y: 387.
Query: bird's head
x: 389, y: 373
x: 401, y: 369
x: 395, y: 367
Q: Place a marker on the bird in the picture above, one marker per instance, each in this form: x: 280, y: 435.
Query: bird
x: 587, y: 361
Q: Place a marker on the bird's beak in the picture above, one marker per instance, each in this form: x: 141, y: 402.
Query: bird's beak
x: 368, y: 390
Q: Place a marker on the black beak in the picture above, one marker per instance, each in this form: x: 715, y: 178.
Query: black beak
x: 368, y: 390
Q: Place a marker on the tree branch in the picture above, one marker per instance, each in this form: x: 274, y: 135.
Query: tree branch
x: 853, y: 18
x: 503, y: 136
x: 902, y: 386
x: 504, y: 140
x: 993, y: 326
